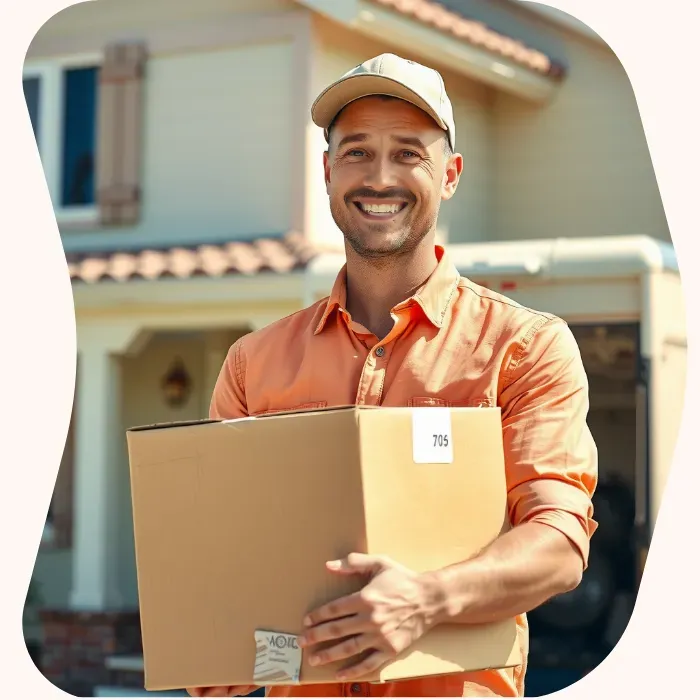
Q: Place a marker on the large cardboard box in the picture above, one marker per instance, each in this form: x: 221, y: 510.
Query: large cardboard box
x: 235, y: 520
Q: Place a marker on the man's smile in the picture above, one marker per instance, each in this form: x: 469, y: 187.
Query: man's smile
x: 379, y: 211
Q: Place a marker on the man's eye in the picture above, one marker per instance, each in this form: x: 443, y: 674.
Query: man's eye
x: 355, y: 152
x: 409, y: 154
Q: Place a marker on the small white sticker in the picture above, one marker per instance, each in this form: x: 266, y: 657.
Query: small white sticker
x: 432, y: 435
x: 277, y: 658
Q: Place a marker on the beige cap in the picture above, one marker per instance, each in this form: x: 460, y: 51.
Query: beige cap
x: 388, y: 75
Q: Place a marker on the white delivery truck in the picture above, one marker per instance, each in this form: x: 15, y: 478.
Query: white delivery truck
x: 622, y: 298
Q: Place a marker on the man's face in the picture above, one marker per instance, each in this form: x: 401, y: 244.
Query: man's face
x: 386, y: 174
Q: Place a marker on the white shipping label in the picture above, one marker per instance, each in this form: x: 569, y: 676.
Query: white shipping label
x: 432, y: 436
x: 277, y: 658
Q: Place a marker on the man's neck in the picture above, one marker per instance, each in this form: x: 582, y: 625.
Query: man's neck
x: 375, y: 286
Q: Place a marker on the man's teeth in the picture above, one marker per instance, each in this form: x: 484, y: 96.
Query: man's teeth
x: 381, y: 208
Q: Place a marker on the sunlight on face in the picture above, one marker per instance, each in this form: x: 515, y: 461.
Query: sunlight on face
x: 387, y: 171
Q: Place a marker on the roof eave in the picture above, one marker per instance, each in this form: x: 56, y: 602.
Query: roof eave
x: 440, y: 47
x: 175, y: 294
x: 563, y: 20
x: 471, y: 61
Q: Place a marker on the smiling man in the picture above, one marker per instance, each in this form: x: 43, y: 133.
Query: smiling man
x: 402, y: 328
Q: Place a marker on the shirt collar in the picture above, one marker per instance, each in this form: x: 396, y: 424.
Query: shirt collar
x: 432, y: 298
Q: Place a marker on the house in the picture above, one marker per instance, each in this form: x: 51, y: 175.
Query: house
x: 186, y: 178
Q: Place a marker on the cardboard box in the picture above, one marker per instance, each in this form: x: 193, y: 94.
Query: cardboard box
x: 235, y: 520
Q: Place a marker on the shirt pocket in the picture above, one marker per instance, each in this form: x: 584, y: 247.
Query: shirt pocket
x: 478, y: 401
x: 308, y: 406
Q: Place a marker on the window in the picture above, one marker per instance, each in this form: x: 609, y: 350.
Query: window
x: 61, y: 99
x: 31, y: 96
x: 87, y: 114
x: 78, y: 138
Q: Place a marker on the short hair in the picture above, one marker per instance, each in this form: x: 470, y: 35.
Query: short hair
x: 447, y: 146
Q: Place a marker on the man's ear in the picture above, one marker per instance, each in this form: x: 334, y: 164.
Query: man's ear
x: 326, y: 170
x: 453, y: 172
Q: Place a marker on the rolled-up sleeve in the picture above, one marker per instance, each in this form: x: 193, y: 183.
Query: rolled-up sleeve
x: 551, y: 457
x: 228, y: 398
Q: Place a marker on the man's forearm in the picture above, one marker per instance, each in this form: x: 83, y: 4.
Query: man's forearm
x: 518, y: 572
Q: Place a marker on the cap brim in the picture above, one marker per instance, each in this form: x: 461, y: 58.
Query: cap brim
x: 347, y: 90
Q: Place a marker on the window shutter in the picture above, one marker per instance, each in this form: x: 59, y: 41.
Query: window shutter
x: 120, y: 127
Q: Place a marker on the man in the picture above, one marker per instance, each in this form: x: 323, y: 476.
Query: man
x: 402, y: 328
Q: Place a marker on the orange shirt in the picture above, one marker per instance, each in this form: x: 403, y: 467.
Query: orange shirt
x: 453, y: 343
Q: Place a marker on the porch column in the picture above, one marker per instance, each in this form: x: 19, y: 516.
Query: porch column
x: 99, y: 454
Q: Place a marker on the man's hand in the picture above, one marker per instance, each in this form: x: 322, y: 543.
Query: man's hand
x: 222, y: 691
x: 383, y: 619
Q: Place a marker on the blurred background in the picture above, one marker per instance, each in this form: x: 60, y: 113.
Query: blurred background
x: 187, y: 182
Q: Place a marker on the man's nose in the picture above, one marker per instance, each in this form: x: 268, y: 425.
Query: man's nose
x: 380, y: 174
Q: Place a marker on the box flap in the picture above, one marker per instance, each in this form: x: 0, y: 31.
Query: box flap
x: 271, y: 414
x: 172, y: 424
x: 345, y: 408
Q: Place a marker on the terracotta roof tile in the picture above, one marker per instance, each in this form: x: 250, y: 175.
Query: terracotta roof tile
x: 284, y: 254
x: 475, y: 33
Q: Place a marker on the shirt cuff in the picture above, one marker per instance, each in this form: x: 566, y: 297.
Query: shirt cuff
x: 571, y: 526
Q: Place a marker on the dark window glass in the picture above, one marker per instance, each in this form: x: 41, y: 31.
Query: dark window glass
x: 32, y: 96
x: 79, y: 133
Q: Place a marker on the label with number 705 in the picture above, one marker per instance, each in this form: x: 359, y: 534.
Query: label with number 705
x: 432, y: 435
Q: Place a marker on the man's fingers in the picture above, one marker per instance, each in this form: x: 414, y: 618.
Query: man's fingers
x: 356, y: 563
x: 343, y: 607
x: 221, y: 691
x: 368, y: 665
x: 335, y: 629
x: 343, y: 650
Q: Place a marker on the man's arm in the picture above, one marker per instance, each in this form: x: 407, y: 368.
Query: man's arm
x: 521, y: 570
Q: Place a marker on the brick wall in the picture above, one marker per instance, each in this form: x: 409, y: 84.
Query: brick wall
x: 77, y: 644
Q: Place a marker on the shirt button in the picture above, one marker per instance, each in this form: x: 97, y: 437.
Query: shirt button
x: 356, y: 686
x: 379, y: 352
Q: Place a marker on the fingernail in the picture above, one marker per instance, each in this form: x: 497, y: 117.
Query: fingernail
x: 313, y: 660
